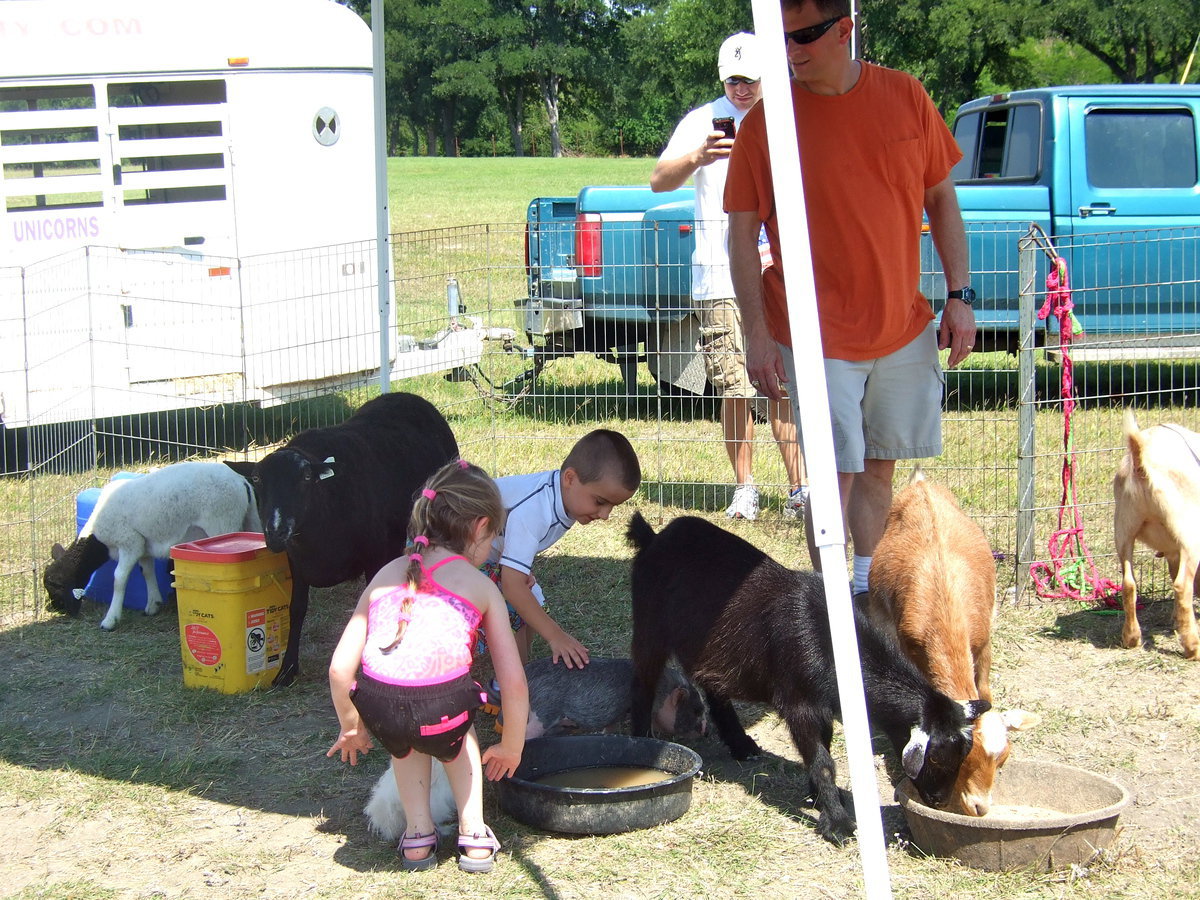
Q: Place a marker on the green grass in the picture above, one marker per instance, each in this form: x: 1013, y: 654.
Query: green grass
x: 425, y: 193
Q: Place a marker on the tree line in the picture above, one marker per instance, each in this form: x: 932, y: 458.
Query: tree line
x: 605, y: 77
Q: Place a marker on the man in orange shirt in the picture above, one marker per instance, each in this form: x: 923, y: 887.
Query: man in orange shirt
x: 875, y: 153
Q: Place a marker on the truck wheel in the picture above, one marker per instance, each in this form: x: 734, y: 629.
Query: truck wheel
x: 628, y: 363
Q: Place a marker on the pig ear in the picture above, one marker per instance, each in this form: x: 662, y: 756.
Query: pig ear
x: 57, y: 551
x: 1019, y: 719
x: 914, y: 753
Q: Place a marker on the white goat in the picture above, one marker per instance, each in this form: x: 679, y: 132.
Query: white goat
x: 138, y: 520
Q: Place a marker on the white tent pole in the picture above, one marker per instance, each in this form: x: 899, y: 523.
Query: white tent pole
x: 383, y: 247
x: 818, y: 441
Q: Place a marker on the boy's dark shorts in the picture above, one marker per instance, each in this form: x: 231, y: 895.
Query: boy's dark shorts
x: 431, y: 719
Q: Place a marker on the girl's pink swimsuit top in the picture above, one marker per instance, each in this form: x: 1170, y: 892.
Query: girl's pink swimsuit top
x: 437, y: 645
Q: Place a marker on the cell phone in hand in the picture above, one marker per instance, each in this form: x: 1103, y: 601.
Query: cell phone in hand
x: 724, y: 124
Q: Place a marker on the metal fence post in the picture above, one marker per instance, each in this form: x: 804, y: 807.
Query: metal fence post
x: 1027, y: 249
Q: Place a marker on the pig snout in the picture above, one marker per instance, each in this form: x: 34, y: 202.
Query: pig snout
x: 681, y: 714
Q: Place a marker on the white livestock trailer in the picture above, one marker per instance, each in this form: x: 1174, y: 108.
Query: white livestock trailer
x: 188, y: 209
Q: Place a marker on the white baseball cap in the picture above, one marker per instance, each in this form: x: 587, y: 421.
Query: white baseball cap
x: 739, y: 56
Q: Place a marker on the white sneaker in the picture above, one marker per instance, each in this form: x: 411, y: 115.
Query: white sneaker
x: 797, y: 500
x: 745, y: 503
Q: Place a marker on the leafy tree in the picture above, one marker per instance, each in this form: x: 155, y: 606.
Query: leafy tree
x: 950, y: 45
x: 1051, y: 60
x: 1142, y: 41
x: 669, y: 65
x: 511, y: 57
x: 566, y: 38
x: 692, y: 33
x: 616, y: 75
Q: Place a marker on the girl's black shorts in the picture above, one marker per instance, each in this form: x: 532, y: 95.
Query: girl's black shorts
x: 432, y: 719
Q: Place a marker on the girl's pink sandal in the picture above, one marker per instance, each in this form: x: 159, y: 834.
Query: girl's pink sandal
x: 485, y: 841
x: 416, y: 842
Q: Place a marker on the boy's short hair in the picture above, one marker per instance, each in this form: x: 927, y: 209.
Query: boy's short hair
x: 604, y: 452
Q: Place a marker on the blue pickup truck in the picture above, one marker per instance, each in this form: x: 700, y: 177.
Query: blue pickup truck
x: 610, y: 274
x: 1107, y: 172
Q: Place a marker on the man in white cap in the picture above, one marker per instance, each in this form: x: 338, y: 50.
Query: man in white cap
x: 699, y: 149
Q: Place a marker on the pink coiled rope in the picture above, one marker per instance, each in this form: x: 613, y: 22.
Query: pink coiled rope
x: 1070, y: 573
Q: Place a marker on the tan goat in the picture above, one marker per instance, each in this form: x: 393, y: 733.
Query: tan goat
x: 933, y: 586
x: 1157, y: 493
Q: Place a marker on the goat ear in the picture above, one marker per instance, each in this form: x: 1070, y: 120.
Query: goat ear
x: 1019, y: 719
x: 244, y: 468
x: 973, y: 709
x: 57, y: 552
x: 913, y: 757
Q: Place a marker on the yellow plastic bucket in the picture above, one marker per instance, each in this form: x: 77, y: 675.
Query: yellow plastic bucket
x: 234, y: 599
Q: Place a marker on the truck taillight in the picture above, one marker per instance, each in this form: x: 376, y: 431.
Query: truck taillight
x: 588, y: 252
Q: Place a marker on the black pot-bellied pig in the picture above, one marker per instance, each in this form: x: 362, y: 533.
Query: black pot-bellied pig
x: 337, y: 500
x: 596, y: 697
x: 743, y: 627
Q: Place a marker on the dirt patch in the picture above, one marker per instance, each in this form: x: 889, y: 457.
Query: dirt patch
x: 115, y: 780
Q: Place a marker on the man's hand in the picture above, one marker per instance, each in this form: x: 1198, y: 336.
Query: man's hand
x: 716, y: 146
x: 957, y: 331
x: 764, y: 365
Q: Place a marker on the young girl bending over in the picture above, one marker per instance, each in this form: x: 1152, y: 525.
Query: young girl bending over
x: 412, y: 634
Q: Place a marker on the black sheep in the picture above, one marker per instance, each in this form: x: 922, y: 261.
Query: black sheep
x: 743, y: 627
x: 337, y: 500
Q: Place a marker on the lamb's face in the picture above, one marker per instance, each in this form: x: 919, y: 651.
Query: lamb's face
x: 283, y: 483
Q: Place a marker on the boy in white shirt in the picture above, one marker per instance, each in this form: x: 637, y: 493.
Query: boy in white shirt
x: 600, y: 472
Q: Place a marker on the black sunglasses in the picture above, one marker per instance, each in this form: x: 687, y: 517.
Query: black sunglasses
x: 812, y: 32
x: 740, y: 79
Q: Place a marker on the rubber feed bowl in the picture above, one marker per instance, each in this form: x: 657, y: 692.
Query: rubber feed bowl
x: 575, y: 810
x: 1045, y: 816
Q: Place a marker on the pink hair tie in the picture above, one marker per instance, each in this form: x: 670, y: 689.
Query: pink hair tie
x: 428, y: 493
x: 420, y: 541
x: 416, y: 556
x: 463, y: 464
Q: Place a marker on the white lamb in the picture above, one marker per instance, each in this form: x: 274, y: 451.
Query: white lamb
x: 138, y: 520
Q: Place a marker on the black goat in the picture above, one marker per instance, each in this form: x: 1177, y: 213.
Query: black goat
x: 743, y: 627
x: 337, y: 500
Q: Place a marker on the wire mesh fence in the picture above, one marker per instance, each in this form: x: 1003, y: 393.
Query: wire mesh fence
x: 1133, y: 326
x: 112, y: 360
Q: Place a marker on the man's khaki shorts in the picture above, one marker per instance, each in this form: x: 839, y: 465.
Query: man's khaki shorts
x: 886, y: 408
x: 723, y: 348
